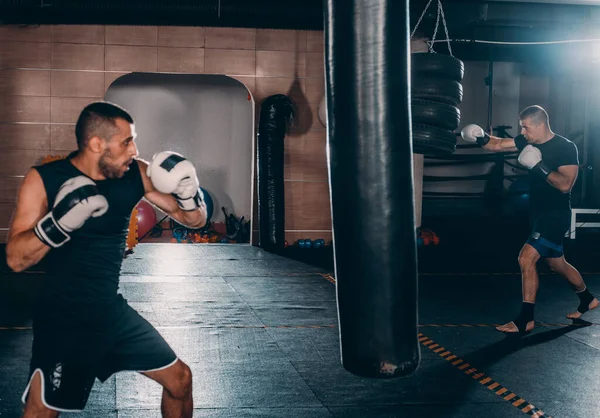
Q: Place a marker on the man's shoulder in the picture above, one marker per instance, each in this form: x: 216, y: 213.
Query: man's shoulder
x: 563, y: 151
x: 49, y: 164
x: 564, y: 142
x: 54, y: 161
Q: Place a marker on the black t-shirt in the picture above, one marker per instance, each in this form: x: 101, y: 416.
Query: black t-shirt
x: 84, y: 272
x: 556, y: 152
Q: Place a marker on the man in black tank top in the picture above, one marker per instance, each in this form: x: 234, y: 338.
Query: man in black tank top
x: 553, y: 165
x: 75, y: 212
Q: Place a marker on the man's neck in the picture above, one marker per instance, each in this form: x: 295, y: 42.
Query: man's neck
x: 549, y: 135
x: 88, y: 166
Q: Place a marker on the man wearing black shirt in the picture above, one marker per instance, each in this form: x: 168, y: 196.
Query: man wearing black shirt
x: 553, y: 166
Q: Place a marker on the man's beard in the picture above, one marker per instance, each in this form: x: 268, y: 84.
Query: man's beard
x: 109, y: 170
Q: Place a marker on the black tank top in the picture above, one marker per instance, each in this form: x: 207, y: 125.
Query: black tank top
x: 84, y: 272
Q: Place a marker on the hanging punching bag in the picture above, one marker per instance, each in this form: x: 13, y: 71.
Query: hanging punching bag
x: 276, y: 112
x: 371, y: 185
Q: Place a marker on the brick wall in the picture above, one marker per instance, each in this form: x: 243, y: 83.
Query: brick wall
x: 49, y: 73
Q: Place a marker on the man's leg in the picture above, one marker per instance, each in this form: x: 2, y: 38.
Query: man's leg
x: 176, y: 380
x: 528, y: 257
x: 35, y: 408
x: 138, y: 346
x: 587, y: 301
x: 61, y: 372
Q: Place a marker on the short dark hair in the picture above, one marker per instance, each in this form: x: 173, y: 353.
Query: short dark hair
x: 98, y: 119
x: 536, y: 113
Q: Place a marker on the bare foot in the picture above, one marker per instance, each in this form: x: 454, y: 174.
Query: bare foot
x: 576, y: 315
x: 511, y: 328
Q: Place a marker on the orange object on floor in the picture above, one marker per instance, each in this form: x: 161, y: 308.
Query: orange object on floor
x: 428, y: 237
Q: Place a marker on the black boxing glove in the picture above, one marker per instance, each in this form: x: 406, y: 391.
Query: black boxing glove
x: 77, y: 200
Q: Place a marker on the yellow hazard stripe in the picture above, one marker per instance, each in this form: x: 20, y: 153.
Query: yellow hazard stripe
x: 483, y: 379
x: 473, y: 372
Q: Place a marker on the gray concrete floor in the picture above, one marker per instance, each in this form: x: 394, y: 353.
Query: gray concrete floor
x: 260, y: 334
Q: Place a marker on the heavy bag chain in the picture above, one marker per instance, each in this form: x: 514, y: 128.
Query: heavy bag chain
x: 440, y: 13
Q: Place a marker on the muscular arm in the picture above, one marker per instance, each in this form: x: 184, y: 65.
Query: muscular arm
x: 501, y: 144
x: 23, y: 248
x: 168, y: 204
x: 564, y: 178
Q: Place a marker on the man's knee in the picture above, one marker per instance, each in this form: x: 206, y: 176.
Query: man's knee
x: 179, y: 384
x: 528, y: 257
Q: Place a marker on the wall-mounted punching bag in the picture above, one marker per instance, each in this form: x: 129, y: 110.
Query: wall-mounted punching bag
x: 276, y: 112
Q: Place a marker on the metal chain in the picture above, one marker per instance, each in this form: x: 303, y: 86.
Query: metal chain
x: 441, y: 10
x: 420, y: 19
x: 437, y: 23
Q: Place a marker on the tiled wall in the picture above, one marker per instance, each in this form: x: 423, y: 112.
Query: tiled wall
x: 49, y: 73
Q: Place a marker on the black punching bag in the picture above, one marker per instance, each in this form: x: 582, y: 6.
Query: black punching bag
x: 276, y: 113
x: 371, y: 184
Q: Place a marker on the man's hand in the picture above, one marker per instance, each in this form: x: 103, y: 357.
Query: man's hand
x: 531, y: 157
x: 475, y: 134
x: 171, y: 173
x: 77, y: 200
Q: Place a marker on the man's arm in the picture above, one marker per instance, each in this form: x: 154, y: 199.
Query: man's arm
x: 475, y: 134
x: 24, y: 249
x: 168, y: 204
x: 496, y: 144
x: 564, y: 178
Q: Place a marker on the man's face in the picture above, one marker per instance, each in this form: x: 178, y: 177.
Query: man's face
x: 119, y: 151
x: 532, y: 132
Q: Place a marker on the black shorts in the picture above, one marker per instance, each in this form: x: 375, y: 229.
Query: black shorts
x: 70, y: 360
x: 548, y: 232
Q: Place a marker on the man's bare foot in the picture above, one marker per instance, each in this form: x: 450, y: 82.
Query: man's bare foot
x: 576, y: 315
x: 511, y: 328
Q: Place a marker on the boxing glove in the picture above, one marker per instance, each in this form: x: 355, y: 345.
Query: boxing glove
x: 77, y: 200
x: 531, y: 157
x: 171, y: 173
x: 475, y: 134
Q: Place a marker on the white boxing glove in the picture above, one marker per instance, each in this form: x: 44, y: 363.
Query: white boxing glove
x: 77, y: 200
x: 172, y: 173
x: 531, y: 157
x: 475, y: 134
